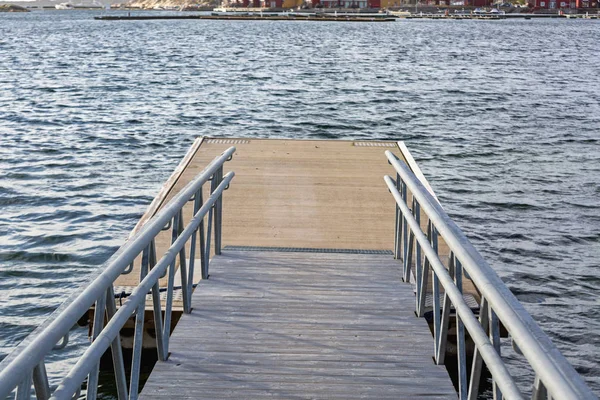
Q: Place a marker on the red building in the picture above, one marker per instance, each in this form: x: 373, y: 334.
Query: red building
x: 270, y: 3
x: 251, y: 3
x: 564, y: 4
x: 347, y: 3
x: 555, y: 4
x: 465, y: 3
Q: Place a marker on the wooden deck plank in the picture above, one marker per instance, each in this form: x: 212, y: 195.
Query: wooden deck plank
x: 254, y: 332
x: 296, y: 193
x: 290, y: 193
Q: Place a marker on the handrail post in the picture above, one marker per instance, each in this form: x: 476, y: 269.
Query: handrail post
x: 138, y: 335
x: 477, y: 364
x: 539, y: 390
x: 209, y: 229
x: 218, y: 210
x: 436, y: 294
x: 405, y: 236
x: 116, y: 349
x: 24, y: 388
x: 398, y: 229
x: 40, y: 382
x: 202, y: 242
x: 440, y: 356
x: 183, y: 271
x: 495, y: 339
x: 99, y: 313
x: 420, y: 267
x: 461, y: 353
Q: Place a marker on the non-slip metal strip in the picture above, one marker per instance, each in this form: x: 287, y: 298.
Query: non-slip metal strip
x: 307, y: 250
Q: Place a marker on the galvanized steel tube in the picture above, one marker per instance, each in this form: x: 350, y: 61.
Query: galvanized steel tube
x: 93, y: 353
x: 20, y: 363
x: 560, y: 378
x: 488, y: 353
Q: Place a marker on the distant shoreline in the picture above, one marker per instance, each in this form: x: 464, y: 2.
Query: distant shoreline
x: 405, y: 12
x: 330, y: 18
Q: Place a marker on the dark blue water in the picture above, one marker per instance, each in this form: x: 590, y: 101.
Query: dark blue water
x: 503, y: 117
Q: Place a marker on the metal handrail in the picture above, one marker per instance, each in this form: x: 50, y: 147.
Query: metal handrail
x: 25, y: 365
x: 555, y: 377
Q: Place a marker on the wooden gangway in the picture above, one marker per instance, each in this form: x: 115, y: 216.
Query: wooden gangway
x: 301, y: 325
x: 302, y: 281
x: 324, y: 313
x: 295, y: 193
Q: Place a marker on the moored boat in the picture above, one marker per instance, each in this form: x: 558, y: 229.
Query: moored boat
x: 64, y: 6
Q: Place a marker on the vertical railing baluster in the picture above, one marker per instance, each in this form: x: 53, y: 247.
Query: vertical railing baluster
x: 136, y: 356
x: 416, y: 211
x: 460, y: 339
x: 424, y: 282
x: 495, y: 339
x: 477, y: 365
x: 399, y: 220
x: 99, y: 313
x: 24, y: 389
x: 115, y: 347
x: 408, y: 257
x: 169, y: 297
x: 218, y: 211
x: 539, y: 390
x: 405, y: 237
x: 183, y: 270
x: 138, y: 336
x: 436, y: 292
x: 405, y: 260
x: 208, y: 236
x: 408, y: 254
x: 157, y: 309
x: 40, y: 381
x: 158, y: 322
x: 192, y: 265
x: 202, y: 244
x: 219, y: 217
x: 445, y: 321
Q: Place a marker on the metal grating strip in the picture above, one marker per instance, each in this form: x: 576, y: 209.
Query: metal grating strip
x: 307, y: 250
x: 227, y: 141
x: 375, y: 144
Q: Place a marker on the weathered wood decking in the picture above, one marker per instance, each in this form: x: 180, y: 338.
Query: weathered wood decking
x: 292, y: 193
x: 292, y: 325
x: 296, y: 193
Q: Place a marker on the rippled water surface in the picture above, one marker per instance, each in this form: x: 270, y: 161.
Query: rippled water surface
x: 503, y: 117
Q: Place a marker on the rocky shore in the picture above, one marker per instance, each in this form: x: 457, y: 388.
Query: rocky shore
x: 12, y: 8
